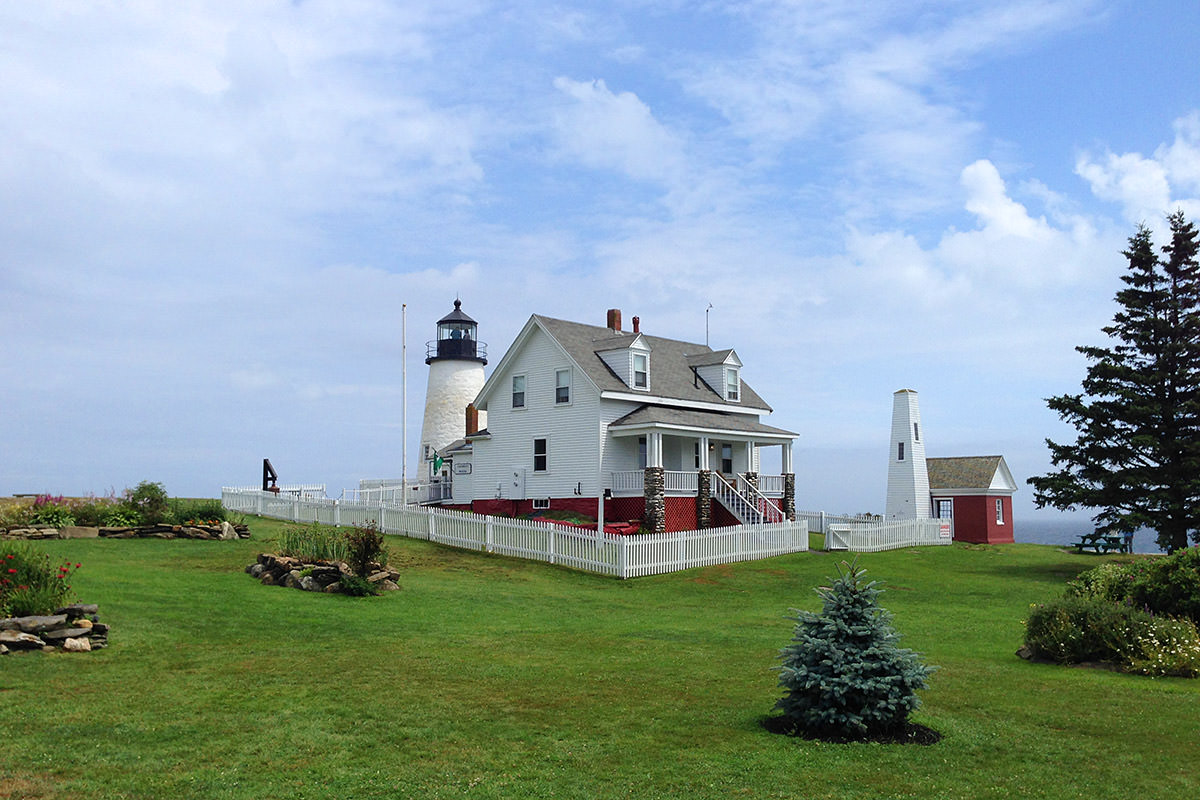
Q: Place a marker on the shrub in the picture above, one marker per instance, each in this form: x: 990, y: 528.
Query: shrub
x: 1168, y: 647
x: 843, y: 673
x: 92, y: 510
x: 358, y: 586
x: 313, y: 542
x: 1109, y: 581
x: 29, y: 584
x: 119, y: 516
x: 364, y: 545
x: 1073, y: 630
x: 1170, y: 585
x: 15, y: 513
x: 53, y: 511
x: 149, y: 501
x: 182, y: 511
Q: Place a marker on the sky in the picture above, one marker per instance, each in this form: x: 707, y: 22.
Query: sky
x: 213, y: 213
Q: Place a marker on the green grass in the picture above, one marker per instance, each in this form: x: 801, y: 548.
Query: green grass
x: 487, y: 677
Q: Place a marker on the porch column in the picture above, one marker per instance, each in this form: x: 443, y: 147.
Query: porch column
x: 750, y: 457
x: 654, y: 493
x: 789, y: 496
x: 705, y: 443
x: 787, y: 458
x: 704, y: 498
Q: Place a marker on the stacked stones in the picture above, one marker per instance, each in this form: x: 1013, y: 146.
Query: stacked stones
x: 74, y: 629
x: 218, y: 530
x: 273, y: 570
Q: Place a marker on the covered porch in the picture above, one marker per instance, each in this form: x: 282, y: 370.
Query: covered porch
x: 709, y: 456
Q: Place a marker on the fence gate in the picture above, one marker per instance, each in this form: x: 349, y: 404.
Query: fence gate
x: 837, y: 537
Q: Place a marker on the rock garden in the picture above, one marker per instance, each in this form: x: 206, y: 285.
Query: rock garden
x: 318, y: 558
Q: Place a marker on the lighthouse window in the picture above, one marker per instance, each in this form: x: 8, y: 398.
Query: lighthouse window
x: 562, y: 386
x: 899, y: 451
x: 518, y: 391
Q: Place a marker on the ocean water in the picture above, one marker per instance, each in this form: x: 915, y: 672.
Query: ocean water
x: 1066, y: 531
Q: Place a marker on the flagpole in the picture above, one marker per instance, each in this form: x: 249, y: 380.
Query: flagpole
x: 404, y: 404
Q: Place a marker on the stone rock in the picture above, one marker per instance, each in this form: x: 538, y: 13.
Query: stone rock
x: 256, y: 570
x: 99, y: 629
x: 76, y: 610
x: 267, y: 579
x: 65, y: 633
x: 10, y: 624
x: 19, y: 640
x: 39, y: 624
x: 326, y: 575
x: 333, y: 588
x: 292, y: 579
x: 387, y: 586
x: 77, y: 646
x: 309, y: 584
x: 78, y: 532
x: 3, y: 650
x: 227, y: 532
x: 84, y: 622
x: 376, y: 577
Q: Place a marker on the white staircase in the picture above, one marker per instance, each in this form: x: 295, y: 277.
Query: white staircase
x: 749, y: 506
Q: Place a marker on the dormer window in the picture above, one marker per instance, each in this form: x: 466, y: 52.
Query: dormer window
x: 641, y: 371
x: 732, y: 385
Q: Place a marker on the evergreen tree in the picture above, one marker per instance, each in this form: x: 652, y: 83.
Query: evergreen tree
x: 843, y: 673
x: 1137, y: 454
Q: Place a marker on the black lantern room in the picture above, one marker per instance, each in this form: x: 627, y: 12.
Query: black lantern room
x: 457, y: 338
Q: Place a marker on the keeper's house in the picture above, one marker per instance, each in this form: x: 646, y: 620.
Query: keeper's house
x: 622, y: 426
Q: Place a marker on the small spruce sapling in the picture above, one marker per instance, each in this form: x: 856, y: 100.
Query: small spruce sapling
x: 844, y: 675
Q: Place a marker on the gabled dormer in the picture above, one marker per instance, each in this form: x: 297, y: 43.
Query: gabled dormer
x: 628, y: 356
x: 722, y: 371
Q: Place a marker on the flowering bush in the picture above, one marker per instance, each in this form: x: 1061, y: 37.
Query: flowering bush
x: 53, y: 511
x: 29, y: 583
x: 1168, y: 647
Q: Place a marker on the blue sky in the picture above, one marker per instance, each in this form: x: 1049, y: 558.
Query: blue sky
x: 213, y: 212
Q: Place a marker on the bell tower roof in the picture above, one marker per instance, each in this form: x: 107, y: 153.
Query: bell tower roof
x: 457, y: 315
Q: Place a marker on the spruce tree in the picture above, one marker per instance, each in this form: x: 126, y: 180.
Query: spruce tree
x: 1136, y: 458
x: 844, y: 675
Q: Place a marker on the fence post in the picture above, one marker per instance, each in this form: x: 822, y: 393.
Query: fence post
x: 337, y: 514
x: 295, y: 508
x: 622, y: 558
x: 551, y: 543
x: 432, y: 527
x: 822, y: 524
x: 487, y: 533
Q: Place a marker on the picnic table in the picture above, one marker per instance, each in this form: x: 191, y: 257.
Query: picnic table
x: 1101, y: 543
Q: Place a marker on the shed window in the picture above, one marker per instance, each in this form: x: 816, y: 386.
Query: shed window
x: 999, y: 511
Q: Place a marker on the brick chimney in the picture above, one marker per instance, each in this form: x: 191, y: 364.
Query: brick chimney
x: 614, y: 319
x: 637, y: 324
x: 472, y: 419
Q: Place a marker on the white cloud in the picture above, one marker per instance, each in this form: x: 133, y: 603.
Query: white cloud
x: 615, y: 130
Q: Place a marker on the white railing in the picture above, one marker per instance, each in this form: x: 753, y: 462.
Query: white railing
x: 684, y: 483
x: 607, y: 554
x: 734, y: 501
x: 872, y: 537
x: 628, y: 482
x: 767, y: 509
x: 771, y: 485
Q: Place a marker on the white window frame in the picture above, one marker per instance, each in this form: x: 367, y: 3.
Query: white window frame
x: 545, y: 455
x: 541, y: 504
x: 564, y: 371
x: 524, y: 391
x: 999, y: 511
x: 634, y: 371
x: 733, y: 385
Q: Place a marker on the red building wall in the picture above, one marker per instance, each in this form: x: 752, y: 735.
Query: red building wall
x: 975, y: 519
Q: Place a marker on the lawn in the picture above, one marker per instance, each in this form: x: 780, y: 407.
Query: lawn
x: 489, y: 677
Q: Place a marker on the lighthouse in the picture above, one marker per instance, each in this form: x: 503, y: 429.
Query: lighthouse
x: 908, y: 476
x: 456, y: 359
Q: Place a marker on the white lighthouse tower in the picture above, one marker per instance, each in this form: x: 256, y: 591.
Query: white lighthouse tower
x: 908, y: 476
x: 456, y: 360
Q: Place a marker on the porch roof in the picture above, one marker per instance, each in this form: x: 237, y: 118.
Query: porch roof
x: 691, y: 421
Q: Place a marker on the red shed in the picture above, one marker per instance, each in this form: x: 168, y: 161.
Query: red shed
x: 975, y: 493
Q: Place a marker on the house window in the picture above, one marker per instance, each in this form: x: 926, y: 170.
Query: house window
x: 999, y: 512
x: 732, y: 385
x: 727, y: 459
x: 696, y: 451
x: 542, y: 504
x: 641, y: 370
x: 541, y: 455
x: 900, y: 451
x: 562, y: 386
x: 518, y: 391
x: 642, y: 452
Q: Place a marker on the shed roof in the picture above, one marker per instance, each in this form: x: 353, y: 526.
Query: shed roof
x: 969, y: 472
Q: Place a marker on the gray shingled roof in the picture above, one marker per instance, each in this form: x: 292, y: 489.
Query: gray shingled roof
x: 670, y: 375
x: 963, y: 472
x: 711, y: 420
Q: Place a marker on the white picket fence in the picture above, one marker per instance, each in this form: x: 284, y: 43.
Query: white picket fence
x: 606, y: 554
x: 871, y: 537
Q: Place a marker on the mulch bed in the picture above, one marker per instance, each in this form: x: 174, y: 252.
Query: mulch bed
x: 910, y: 733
